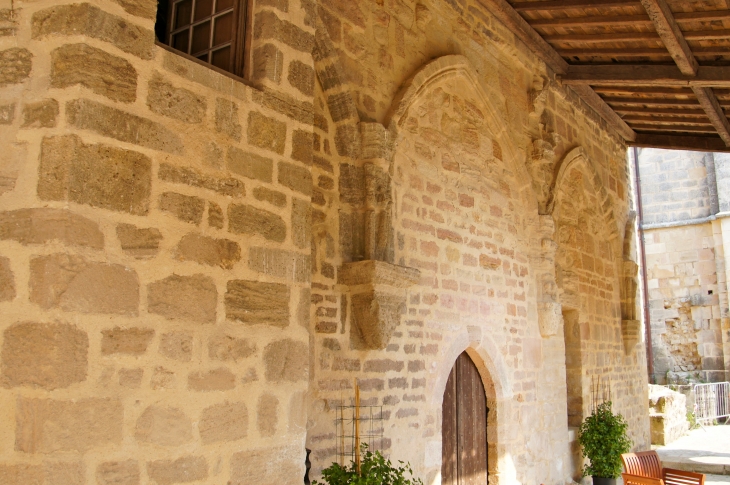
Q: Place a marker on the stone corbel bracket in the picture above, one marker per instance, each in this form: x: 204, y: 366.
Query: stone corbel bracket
x: 378, y: 292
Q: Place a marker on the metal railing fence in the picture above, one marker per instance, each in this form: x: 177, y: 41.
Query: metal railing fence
x: 712, y: 401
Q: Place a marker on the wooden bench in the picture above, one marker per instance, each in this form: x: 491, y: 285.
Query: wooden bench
x: 645, y: 468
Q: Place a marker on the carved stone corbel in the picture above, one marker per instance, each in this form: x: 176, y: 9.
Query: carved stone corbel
x: 630, y: 325
x: 549, y: 310
x: 378, y: 292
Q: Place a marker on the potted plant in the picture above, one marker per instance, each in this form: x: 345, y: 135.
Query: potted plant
x: 603, y: 439
x: 373, y: 469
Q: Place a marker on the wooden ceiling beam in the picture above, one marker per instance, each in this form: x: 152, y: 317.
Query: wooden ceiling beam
x: 679, y: 142
x: 639, y: 19
x: 652, y: 102
x: 653, y: 90
x: 660, y: 111
x: 639, y: 52
x: 646, y: 75
x: 696, y: 35
x: 504, y: 12
x: 671, y: 35
x: 708, y: 130
x: 667, y: 120
x: 566, y: 4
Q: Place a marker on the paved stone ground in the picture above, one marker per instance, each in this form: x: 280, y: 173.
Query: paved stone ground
x: 704, y: 450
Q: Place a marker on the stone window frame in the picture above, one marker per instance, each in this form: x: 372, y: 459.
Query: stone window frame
x: 243, y: 39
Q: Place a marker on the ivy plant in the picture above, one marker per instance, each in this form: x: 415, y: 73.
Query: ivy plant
x: 603, y: 439
x: 375, y: 469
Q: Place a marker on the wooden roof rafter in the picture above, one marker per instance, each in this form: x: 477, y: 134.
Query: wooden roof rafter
x: 614, y: 54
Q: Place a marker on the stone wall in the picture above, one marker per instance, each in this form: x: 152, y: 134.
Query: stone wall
x: 685, y: 259
x: 155, y: 287
x: 195, y: 270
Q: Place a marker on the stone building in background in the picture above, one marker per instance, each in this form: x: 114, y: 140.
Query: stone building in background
x: 195, y: 268
x: 686, y: 199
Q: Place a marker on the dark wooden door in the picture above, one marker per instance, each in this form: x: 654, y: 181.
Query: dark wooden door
x: 464, y: 426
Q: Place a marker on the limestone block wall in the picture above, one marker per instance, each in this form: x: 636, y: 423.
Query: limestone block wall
x: 154, y: 251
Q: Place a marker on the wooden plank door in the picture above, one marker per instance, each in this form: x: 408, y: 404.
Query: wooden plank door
x: 464, y: 426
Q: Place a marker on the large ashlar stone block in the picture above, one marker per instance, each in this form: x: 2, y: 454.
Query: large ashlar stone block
x: 280, y: 263
x: 220, y: 379
x: 95, y: 69
x: 550, y: 317
x: 7, y: 280
x: 177, y: 346
x: 15, y: 65
x: 177, y: 103
x: 267, y: 133
x: 45, y: 355
x: 379, y: 292
x: 286, y: 361
x: 209, y: 251
x: 246, y: 219
x: 185, y: 175
x: 91, y: 21
x: 97, y: 175
x: 226, y: 348
x: 76, y: 285
x: 187, y: 208
x: 267, y: 466
x: 139, y: 242
x: 164, y: 426
x: 48, y: 426
x: 193, y: 298
x: 183, y: 470
x: 130, y: 341
x: 118, y: 473
x: 223, y: 423
x: 41, y: 225
x: 631, y: 334
x: 255, y: 302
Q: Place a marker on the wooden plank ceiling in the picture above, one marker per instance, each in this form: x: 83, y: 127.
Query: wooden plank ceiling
x: 657, y: 70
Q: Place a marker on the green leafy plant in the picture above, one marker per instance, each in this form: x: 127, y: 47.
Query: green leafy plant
x: 603, y: 439
x: 374, y: 470
x: 693, y: 424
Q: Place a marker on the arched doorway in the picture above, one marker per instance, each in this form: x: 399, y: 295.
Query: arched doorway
x: 464, y: 426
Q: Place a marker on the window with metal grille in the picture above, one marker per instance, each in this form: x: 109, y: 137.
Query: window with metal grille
x: 212, y: 31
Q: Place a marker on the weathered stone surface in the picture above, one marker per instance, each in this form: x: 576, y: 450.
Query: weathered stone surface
x: 214, y: 380
x: 350, y: 11
x: 131, y: 341
x: 282, y: 5
x: 7, y: 114
x: 131, y: 378
x: 249, y: 164
x: 194, y: 178
x: 64, y: 473
x: 177, y: 346
x: 118, y: 473
x: 286, y: 360
x: 268, y: 62
x: 216, y: 218
x: 269, y: 466
x: 41, y: 114
x: 267, y: 412
x: 268, y: 26
x: 178, y: 103
x: 139, y: 242
x: 301, y: 222
x: 246, y: 219
x: 255, y: 302
x: 140, y: 8
x: 192, y: 298
x: 76, y: 285
x: 226, y: 118
x: 301, y: 76
x: 46, y: 355
x: 302, y: 143
x: 280, y: 263
x: 96, y: 175
x: 226, y: 348
x: 164, y: 426
x: 120, y: 125
x: 89, y: 20
x: 95, y: 69
x: 265, y: 132
x: 22, y: 474
x: 295, y: 177
x: 273, y: 197
x: 207, y: 250
x: 293, y: 108
x: 223, y: 422
x: 7, y: 280
x: 183, y: 470
x: 15, y: 65
x: 162, y: 379
x: 185, y: 207
x: 47, y: 426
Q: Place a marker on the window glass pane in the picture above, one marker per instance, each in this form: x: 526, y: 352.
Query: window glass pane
x: 221, y: 5
x: 180, y: 41
x: 223, y: 29
x: 183, y: 11
x: 222, y: 58
x: 203, y: 9
x: 201, y: 38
